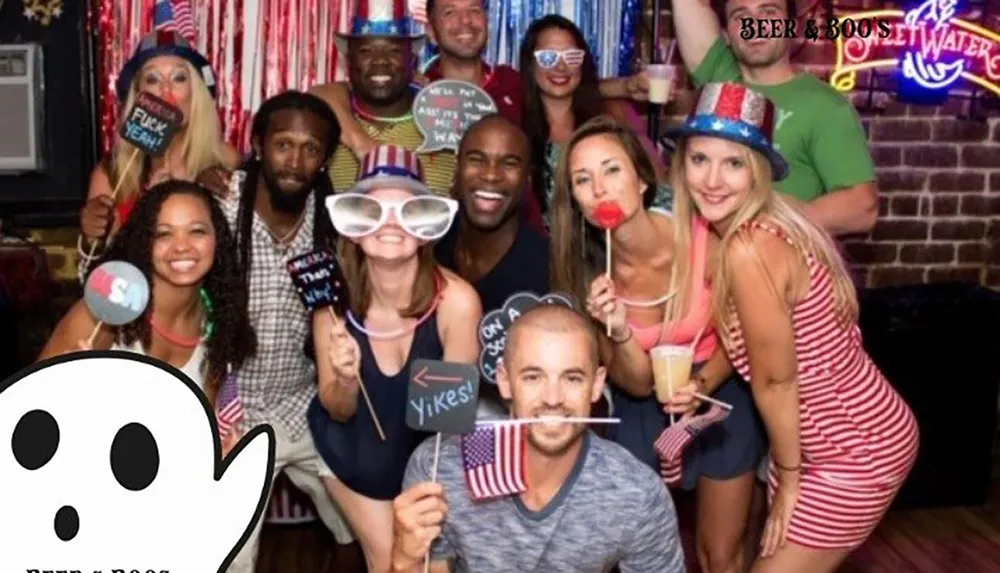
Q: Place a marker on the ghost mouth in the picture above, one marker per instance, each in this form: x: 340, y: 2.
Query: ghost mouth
x: 67, y: 523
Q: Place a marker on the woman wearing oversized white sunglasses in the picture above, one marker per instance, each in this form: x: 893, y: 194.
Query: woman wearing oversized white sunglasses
x: 403, y: 306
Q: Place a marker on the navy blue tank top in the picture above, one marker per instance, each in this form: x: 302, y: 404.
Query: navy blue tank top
x: 353, y: 450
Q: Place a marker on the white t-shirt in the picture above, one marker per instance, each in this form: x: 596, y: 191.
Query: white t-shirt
x: 194, y: 369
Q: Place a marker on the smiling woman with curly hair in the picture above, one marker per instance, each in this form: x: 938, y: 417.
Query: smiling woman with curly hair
x: 196, y: 319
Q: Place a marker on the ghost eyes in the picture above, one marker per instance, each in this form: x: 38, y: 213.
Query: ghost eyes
x: 135, y: 458
x: 35, y: 439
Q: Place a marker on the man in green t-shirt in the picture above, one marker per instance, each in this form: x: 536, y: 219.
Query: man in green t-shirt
x: 831, y: 174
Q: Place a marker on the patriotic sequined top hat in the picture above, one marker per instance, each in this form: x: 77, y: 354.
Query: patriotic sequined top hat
x: 164, y: 43
x: 391, y: 166
x: 734, y: 112
x: 382, y: 18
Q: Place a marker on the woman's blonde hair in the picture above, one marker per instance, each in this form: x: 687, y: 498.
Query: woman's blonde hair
x: 574, y: 244
x: 199, y: 141
x: 762, y: 204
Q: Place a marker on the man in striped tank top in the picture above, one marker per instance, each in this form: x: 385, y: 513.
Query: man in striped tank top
x: 381, y: 50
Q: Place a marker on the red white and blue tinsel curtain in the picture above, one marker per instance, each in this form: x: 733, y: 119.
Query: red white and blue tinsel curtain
x: 259, y: 48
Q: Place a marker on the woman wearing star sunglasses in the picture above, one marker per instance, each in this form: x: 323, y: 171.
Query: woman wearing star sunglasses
x: 561, y: 93
x: 403, y: 307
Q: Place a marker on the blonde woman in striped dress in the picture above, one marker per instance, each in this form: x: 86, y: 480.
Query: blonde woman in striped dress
x: 842, y: 440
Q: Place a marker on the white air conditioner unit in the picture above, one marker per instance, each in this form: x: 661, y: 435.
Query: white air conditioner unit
x: 22, y: 105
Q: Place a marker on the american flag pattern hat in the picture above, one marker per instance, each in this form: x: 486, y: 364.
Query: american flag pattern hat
x: 385, y: 18
x: 391, y: 166
x: 164, y: 43
x: 734, y: 112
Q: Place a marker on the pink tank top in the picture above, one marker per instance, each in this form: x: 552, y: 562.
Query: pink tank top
x: 699, y: 314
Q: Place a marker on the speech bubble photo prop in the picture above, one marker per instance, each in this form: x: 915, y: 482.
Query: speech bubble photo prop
x: 124, y: 482
x: 441, y: 397
x: 320, y: 283
x: 494, y: 326
x: 116, y: 293
x: 150, y: 125
x: 445, y: 109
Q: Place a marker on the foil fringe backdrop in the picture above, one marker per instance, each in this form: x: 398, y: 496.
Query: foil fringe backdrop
x: 259, y: 48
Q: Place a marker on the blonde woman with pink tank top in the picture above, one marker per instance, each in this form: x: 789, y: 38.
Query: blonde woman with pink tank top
x: 657, y: 293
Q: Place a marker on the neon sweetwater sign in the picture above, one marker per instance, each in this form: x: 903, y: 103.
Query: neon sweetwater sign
x: 928, y: 45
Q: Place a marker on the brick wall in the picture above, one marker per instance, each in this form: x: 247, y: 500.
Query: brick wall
x: 938, y: 178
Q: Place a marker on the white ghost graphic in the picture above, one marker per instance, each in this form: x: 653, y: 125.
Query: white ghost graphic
x: 111, y: 460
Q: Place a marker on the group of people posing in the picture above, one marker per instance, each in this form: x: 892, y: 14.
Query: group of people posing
x: 731, y: 246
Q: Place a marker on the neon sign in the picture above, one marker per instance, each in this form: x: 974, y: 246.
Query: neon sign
x: 929, y: 46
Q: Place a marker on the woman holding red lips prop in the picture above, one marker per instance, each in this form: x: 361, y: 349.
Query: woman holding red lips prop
x: 655, y: 293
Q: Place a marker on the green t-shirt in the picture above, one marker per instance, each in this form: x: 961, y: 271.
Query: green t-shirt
x: 816, y: 129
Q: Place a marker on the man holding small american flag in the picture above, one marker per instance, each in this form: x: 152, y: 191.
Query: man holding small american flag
x: 537, y: 495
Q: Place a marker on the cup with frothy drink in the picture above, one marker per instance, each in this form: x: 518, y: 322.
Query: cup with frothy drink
x: 671, y: 369
x: 661, y: 79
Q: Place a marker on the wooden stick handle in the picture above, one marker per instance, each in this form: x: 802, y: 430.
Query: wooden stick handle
x: 114, y: 196
x: 364, y: 391
x: 93, y: 335
x: 607, y: 267
x: 711, y: 400
x: 434, y: 478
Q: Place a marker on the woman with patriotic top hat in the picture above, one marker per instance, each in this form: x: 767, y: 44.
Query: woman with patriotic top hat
x: 402, y: 306
x: 842, y: 440
x: 656, y: 293
x: 168, y: 67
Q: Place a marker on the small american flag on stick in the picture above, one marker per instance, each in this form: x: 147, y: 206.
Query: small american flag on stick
x: 493, y: 457
x: 174, y: 16
x: 671, y: 443
x: 228, y: 406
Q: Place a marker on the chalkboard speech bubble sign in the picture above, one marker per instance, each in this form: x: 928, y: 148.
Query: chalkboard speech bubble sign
x: 443, y: 110
x: 442, y: 397
x: 319, y: 281
x: 494, y: 326
x: 116, y: 293
x: 150, y: 124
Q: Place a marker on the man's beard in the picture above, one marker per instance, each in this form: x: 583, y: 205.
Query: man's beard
x: 288, y: 203
x: 760, y: 60
x: 468, y: 55
x: 378, y: 95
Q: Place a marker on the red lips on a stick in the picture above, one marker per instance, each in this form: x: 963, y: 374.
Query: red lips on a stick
x: 609, y: 216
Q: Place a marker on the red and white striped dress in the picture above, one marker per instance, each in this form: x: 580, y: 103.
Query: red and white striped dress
x: 858, y: 437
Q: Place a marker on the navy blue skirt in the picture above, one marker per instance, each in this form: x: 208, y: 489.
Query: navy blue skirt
x: 723, y: 451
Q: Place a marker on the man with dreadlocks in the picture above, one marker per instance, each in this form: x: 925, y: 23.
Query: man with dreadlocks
x: 275, y: 206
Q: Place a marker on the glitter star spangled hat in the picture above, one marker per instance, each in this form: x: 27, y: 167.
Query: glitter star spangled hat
x: 734, y: 112
x: 382, y: 18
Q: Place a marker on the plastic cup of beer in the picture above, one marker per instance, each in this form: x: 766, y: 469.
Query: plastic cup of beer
x: 661, y: 79
x: 671, y: 369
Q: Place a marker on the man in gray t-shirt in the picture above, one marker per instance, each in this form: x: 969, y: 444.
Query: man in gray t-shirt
x: 590, y: 505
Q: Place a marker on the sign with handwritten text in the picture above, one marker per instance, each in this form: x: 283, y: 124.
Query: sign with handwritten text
x: 443, y: 110
x: 442, y: 397
x: 150, y: 124
x: 930, y: 48
x: 494, y: 326
x: 319, y: 281
x: 116, y: 293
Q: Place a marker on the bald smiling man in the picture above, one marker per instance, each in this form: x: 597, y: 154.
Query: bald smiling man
x: 590, y: 505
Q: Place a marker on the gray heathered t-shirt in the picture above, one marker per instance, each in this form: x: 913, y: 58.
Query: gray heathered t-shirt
x: 613, y: 509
